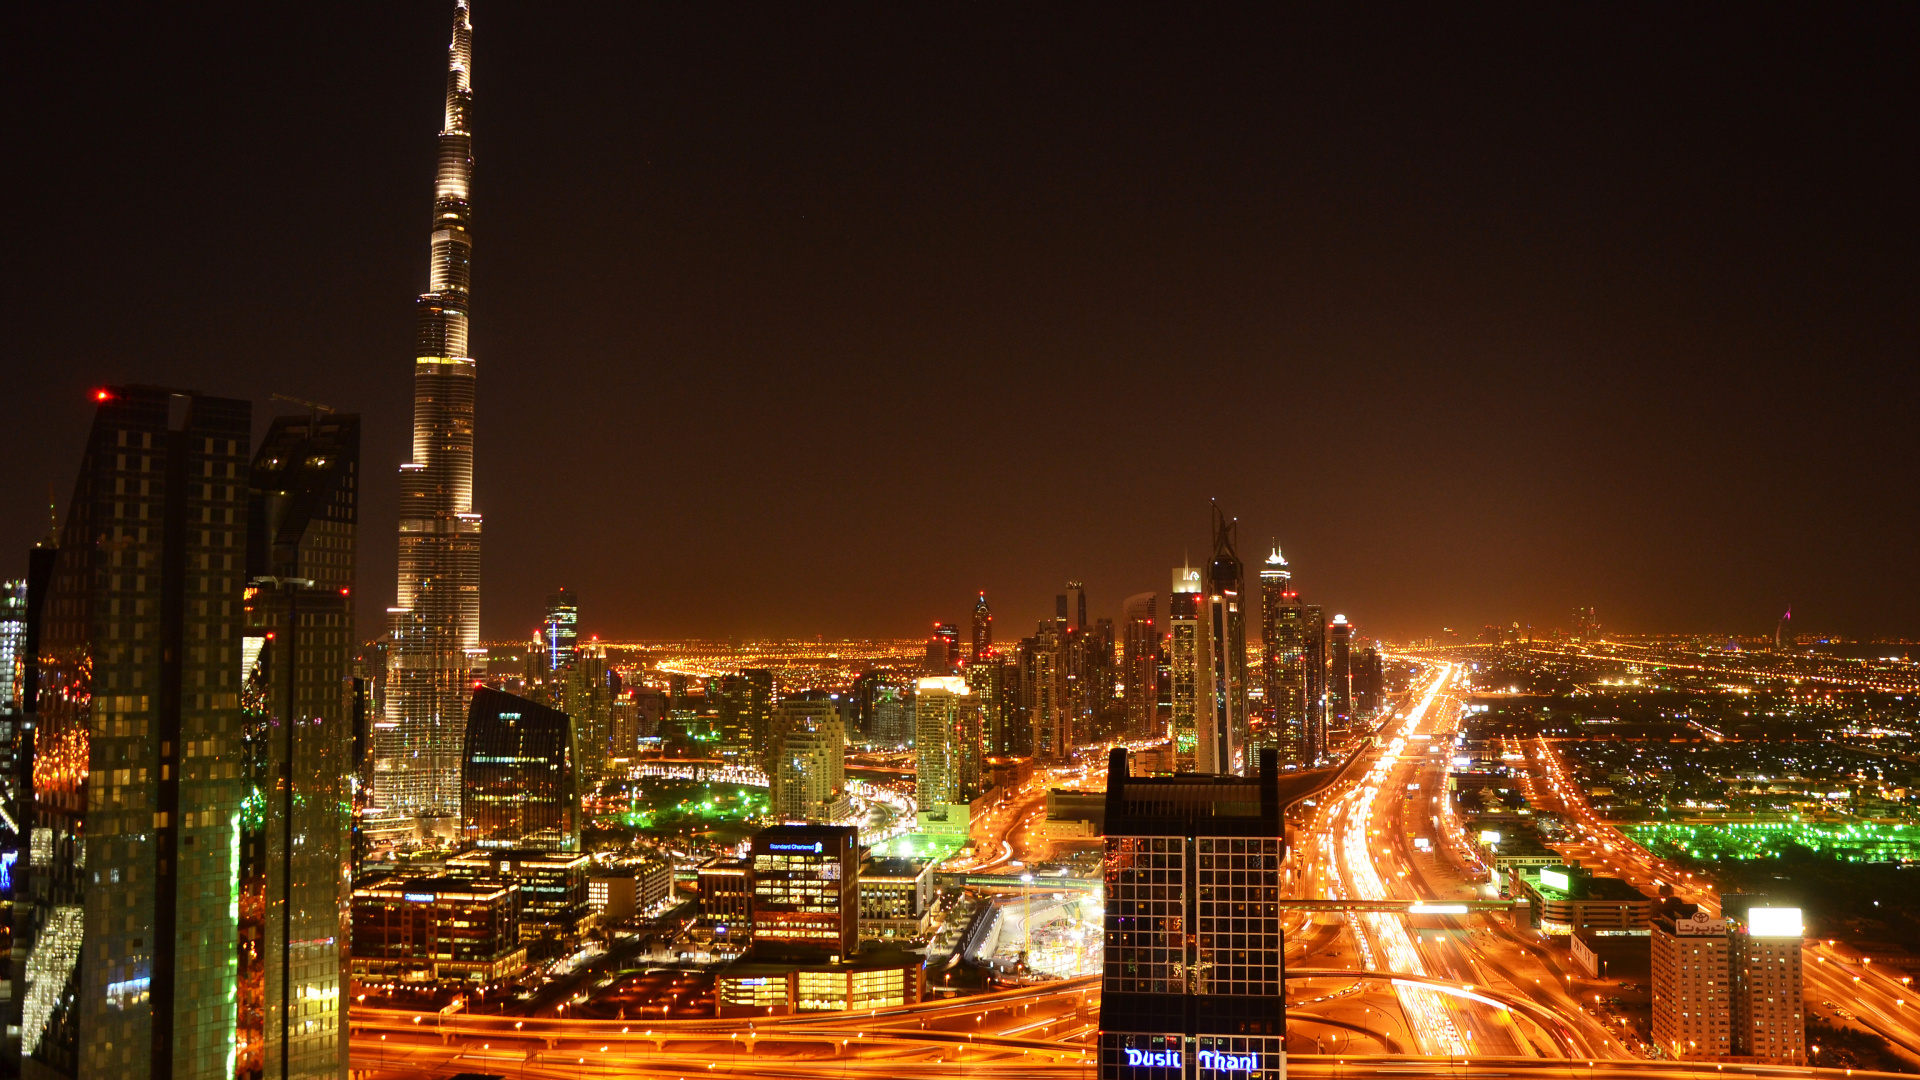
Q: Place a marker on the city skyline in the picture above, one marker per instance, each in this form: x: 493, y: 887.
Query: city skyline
x: 1563, y: 331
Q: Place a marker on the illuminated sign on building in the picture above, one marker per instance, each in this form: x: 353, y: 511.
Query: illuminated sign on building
x: 1554, y: 879
x: 1218, y: 1062
x: 419, y: 898
x: 816, y: 847
x: 1159, y: 1059
x: 1774, y: 922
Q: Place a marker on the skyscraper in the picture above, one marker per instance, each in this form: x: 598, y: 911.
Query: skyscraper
x: 1140, y: 649
x: 1313, y: 662
x: 435, y: 620
x: 131, y: 945
x: 1190, y: 671
x: 518, y: 779
x: 1223, y: 722
x: 1340, y: 675
x: 1283, y: 662
x: 298, y: 703
x: 13, y: 641
x: 943, y: 649
x: 1193, y: 983
x: 939, y: 708
x: 1075, y: 610
x: 562, y: 629
x: 1043, y: 693
x: 982, y: 630
x: 807, y: 781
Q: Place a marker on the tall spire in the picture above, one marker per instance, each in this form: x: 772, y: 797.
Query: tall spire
x: 435, y: 620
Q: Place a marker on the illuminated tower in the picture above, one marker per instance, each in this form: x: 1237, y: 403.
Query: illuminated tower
x: 982, y: 630
x: 562, y: 630
x: 435, y: 620
x: 1340, y: 674
x: 1190, y: 670
x: 1222, y: 721
x: 1283, y: 661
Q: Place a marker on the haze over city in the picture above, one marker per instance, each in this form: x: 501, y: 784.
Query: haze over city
x: 815, y: 322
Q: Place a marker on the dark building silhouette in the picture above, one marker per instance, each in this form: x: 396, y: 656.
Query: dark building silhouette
x: 562, y: 629
x: 982, y: 630
x: 131, y: 936
x: 518, y: 784
x: 1193, y: 952
x: 1140, y: 654
x: 299, y: 705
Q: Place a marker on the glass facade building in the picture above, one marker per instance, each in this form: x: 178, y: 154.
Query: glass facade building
x: 133, y: 876
x: 806, y: 892
x: 1193, y: 968
x: 298, y: 703
x: 518, y: 785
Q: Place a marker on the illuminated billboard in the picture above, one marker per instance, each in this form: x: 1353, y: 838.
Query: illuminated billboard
x: 1775, y: 922
x: 1554, y: 879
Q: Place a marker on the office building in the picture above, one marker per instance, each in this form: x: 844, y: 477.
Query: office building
x: 806, y: 892
x: 746, y: 710
x: 982, y: 630
x: 986, y: 681
x: 1073, y: 607
x: 1567, y: 900
x: 892, y: 722
x: 725, y: 889
x: 1283, y: 663
x: 1189, y: 666
x: 298, y: 705
x: 1139, y: 658
x: 807, y: 710
x: 1340, y: 675
x: 130, y: 943
x: 561, y: 632
x: 1192, y: 967
x: 518, y: 783
x: 1369, y: 679
x: 895, y: 898
x: 435, y: 620
x: 1222, y: 722
x: 551, y: 909
x: 1313, y: 663
x: 418, y: 931
x: 808, y: 780
x: 943, y: 649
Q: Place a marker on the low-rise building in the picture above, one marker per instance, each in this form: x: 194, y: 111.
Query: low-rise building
x: 882, y: 978
x: 896, y: 896
x: 553, y: 910
x: 426, y: 931
x: 1571, y: 900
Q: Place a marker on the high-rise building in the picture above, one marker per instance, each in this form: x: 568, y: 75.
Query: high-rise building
x: 1586, y: 624
x: 1769, y: 1007
x: 131, y: 944
x: 808, y: 779
x: 1043, y: 693
x: 1189, y: 665
x: 1368, y: 677
x: 986, y: 678
x: 1692, y: 995
x: 1223, y: 724
x: 892, y: 715
x: 1313, y: 662
x: 518, y: 783
x: 435, y: 620
x: 588, y: 691
x: 13, y: 641
x: 298, y: 702
x: 1193, y: 982
x: 806, y: 892
x: 1139, y: 652
x: 941, y: 703
x: 561, y: 632
x: 1340, y: 675
x: 1074, y: 610
x: 982, y: 630
x: 943, y: 649
x: 1282, y: 652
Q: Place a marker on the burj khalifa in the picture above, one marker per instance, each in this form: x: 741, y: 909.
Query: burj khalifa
x: 435, y: 621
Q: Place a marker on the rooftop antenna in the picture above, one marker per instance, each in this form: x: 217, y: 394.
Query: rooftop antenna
x: 313, y: 406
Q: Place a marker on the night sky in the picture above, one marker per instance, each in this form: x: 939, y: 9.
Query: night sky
x: 811, y: 319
